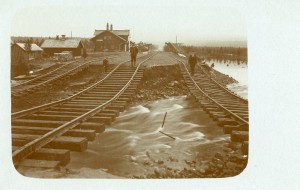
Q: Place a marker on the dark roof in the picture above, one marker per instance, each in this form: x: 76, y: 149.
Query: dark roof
x: 34, y: 47
x: 116, y: 32
x: 109, y: 32
x: 60, y: 43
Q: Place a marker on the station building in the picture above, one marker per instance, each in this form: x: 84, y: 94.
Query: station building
x: 111, y: 40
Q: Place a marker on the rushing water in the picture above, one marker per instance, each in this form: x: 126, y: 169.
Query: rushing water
x: 239, y: 72
x: 134, y: 138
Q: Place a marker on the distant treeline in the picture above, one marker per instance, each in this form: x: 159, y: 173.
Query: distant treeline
x: 37, y: 40
x: 221, y: 54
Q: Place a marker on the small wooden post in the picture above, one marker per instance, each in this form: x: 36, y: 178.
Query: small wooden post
x: 164, y: 120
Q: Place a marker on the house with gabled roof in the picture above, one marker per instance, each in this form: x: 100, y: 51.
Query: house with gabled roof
x: 60, y: 44
x: 21, y: 54
x: 111, y: 40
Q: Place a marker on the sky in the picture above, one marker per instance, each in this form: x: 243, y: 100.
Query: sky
x: 149, y: 21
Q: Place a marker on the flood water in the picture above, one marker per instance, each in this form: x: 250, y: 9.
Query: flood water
x: 239, y: 72
x: 133, y: 145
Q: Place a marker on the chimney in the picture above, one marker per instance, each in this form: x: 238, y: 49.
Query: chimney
x: 63, y: 37
x: 111, y: 27
x: 107, y: 26
x: 57, y: 37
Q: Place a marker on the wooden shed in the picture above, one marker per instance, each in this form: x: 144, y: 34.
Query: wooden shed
x: 58, y: 45
x: 20, y: 56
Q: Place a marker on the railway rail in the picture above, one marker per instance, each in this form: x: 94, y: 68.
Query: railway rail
x: 59, y: 73
x: 43, y: 136
x: 225, y: 107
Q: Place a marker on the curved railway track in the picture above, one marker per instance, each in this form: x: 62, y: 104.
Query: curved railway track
x: 44, y: 136
x: 48, y: 78
x: 228, y: 109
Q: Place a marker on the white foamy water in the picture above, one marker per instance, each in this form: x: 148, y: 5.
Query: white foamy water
x: 135, y: 136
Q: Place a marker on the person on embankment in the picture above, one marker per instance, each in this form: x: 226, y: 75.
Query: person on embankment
x: 133, y: 53
x: 193, y: 59
x: 105, y: 64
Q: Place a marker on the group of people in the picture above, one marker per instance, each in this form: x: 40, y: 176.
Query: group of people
x: 133, y: 54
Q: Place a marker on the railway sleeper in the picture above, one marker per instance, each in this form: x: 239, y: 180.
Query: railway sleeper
x: 119, y: 108
x: 92, y: 104
x: 61, y: 155
x: 89, y: 134
x: 236, y: 108
x: 108, y: 111
x: 78, y: 144
x: 79, y: 110
x: 99, y: 99
x: 234, y: 105
x: 49, y: 117
x: 211, y: 108
x: 33, y: 163
x: 95, y: 102
x: 76, y: 105
x: 226, y: 121
x: 208, y: 110
x: 60, y: 113
x: 104, y: 94
x: 92, y: 98
x: 100, y: 119
x: 216, y: 115
x: 239, y: 111
x: 110, y: 86
x: 99, y: 127
x: 112, y: 115
x: 239, y: 136
x: 227, y: 129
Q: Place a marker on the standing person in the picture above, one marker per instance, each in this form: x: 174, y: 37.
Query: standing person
x: 105, y: 64
x: 133, y: 53
x: 192, y: 62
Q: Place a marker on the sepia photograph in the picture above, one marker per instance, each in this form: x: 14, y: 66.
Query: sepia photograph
x: 100, y: 94
x: 132, y: 90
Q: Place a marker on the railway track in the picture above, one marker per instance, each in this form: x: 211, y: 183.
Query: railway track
x: 44, y: 136
x: 225, y: 107
x: 46, y: 79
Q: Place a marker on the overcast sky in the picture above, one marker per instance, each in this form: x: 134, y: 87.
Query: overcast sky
x: 149, y: 21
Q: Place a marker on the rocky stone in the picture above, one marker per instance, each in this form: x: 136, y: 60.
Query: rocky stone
x: 241, y: 158
x: 215, y: 160
x: 188, y: 162
x: 172, y: 159
x: 156, y: 172
x: 227, y: 149
x: 233, y: 158
x: 220, y: 166
x: 160, y: 162
x: 204, y: 169
x: 231, y: 165
x: 146, y: 163
x: 132, y: 158
x: 219, y: 156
